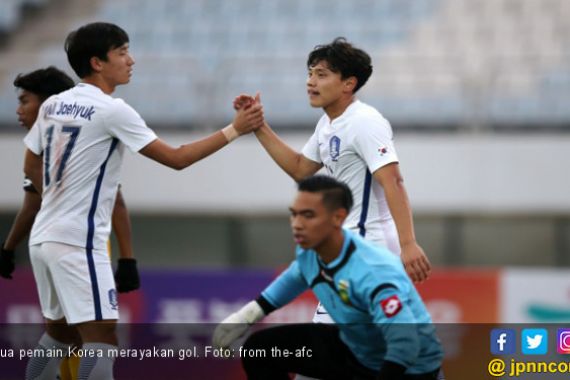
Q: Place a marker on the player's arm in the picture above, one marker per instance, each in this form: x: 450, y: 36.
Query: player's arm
x: 245, y: 121
x: 122, y: 227
x: 280, y: 292
x: 126, y: 275
x: 20, y: 228
x: 33, y: 169
x: 415, y: 260
x: 392, y: 314
x: 295, y: 164
x: 24, y: 220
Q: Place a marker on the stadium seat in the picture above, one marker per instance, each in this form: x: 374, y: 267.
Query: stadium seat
x: 434, y: 60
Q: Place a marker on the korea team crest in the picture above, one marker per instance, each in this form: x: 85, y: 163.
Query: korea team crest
x: 391, y: 306
x: 334, y: 148
x: 113, y: 301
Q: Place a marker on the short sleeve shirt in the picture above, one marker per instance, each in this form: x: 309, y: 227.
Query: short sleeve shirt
x: 81, y: 134
x: 351, y: 148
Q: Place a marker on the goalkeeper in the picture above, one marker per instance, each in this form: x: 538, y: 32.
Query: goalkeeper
x: 382, y: 330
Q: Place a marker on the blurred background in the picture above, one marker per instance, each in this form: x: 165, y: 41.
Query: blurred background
x: 478, y: 95
x: 477, y: 92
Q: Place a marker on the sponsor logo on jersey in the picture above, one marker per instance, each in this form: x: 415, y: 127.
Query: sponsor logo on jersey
x: 391, y: 306
x: 334, y: 148
x: 113, y: 301
x: 343, y: 286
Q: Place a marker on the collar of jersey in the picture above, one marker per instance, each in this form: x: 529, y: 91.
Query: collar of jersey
x: 346, y: 112
x: 89, y: 86
x: 339, y: 260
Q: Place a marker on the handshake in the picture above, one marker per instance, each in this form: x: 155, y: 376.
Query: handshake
x: 234, y: 326
x: 249, y: 116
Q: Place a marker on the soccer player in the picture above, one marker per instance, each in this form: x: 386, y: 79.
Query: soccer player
x: 382, y: 330
x: 33, y: 89
x: 354, y: 142
x: 78, y: 140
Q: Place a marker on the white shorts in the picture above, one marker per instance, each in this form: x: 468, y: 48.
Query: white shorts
x: 72, y: 284
x: 322, y: 315
x: 383, y: 234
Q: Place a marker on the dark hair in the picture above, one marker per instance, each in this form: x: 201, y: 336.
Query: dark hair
x: 342, y: 57
x: 44, y: 82
x: 92, y: 40
x: 336, y: 194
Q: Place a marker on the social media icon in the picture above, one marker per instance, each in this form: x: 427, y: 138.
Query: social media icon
x: 563, y: 341
x: 503, y: 341
x: 534, y: 341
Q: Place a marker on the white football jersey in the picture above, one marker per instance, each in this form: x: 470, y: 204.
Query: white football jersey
x: 351, y: 148
x: 80, y: 133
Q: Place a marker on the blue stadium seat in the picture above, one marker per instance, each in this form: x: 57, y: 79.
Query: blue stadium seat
x: 434, y: 61
x: 9, y: 15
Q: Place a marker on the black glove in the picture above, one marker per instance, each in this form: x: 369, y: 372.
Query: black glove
x: 391, y: 371
x: 7, y: 265
x: 127, y: 275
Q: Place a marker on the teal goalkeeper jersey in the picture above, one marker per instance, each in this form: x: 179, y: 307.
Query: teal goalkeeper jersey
x: 372, y: 300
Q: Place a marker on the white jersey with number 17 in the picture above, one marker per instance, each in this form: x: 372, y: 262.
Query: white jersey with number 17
x: 80, y: 133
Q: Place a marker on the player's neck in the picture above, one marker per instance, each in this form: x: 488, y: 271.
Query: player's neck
x: 331, y: 248
x: 337, y: 108
x: 98, y: 81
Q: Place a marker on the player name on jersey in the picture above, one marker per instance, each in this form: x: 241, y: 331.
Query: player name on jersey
x: 74, y: 110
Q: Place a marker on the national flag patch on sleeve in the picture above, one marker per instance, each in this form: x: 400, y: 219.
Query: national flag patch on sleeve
x: 391, y: 306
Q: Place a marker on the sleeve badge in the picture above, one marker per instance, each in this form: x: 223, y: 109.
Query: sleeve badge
x: 391, y: 306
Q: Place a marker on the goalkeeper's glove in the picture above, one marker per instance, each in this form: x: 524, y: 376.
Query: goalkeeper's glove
x: 7, y: 264
x: 237, y: 324
x: 127, y: 275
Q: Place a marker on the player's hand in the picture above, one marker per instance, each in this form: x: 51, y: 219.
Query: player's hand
x: 234, y: 326
x: 127, y: 275
x: 416, y: 262
x: 243, y: 101
x: 229, y: 330
x: 7, y: 264
x: 249, y: 118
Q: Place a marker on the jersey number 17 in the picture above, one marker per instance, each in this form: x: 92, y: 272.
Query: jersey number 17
x: 74, y: 132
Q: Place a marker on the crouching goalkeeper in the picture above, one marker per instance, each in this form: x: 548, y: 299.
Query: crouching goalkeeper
x: 382, y: 331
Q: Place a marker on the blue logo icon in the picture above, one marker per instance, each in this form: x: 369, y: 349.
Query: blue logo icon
x: 534, y: 341
x: 503, y: 341
x: 113, y: 301
x: 334, y: 147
